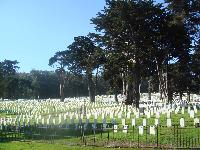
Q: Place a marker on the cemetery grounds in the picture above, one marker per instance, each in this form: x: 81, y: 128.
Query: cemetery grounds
x: 79, y: 124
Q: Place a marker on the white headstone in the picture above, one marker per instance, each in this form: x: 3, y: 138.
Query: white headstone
x: 144, y: 122
x: 125, y: 128
x: 152, y: 130
x: 169, y: 122
x: 148, y: 114
x: 196, y: 120
x: 191, y: 113
x: 102, y: 116
x: 37, y: 121
x: 119, y: 115
x: 156, y: 122
x: 188, y: 109
x: 168, y: 114
x: 111, y: 115
x: 95, y: 116
x: 141, y: 130
x: 128, y: 115
x: 157, y: 115
x: 115, y: 128
x: 43, y: 121
x: 182, y: 122
x: 133, y: 122
x: 195, y: 109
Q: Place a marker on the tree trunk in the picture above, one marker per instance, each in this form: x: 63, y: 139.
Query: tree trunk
x: 136, y: 86
x: 115, y: 92
x: 133, y: 87
x: 129, y: 92
x: 61, y: 74
x: 96, y: 81
x: 124, y: 92
x: 188, y: 96
x: 91, y: 88
x: 162, y: 82
x: 61, y: 92
x: 169, y: 90
x: 181, y: 95
x: 149, y: 88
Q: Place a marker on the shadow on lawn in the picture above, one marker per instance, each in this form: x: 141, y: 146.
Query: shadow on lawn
x: 52, y: 132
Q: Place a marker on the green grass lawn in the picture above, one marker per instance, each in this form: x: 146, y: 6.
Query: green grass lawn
x: 45, y: 146
x: 65, y: 136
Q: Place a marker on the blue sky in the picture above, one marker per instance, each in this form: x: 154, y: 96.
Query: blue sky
x: 31, y: 31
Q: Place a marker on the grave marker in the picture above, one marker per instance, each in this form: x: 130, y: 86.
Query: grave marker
x: 156, y: 122
x: 115, y: 128
x: 191, y: 113
x: 144, y: 122
x: 182, y: 122
x: 169, y: 122
x: 152, y: 130
x: 125, y: 128
x: 133, y: 122
x: 141, y: 130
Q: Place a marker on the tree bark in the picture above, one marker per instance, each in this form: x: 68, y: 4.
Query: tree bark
x: 61, y: 74
x: 115, y: 92
x: 124, y: 92
x: 162, y: 82
x: 61, y: 92
x: 91, y: 88
x: 133, y: 87
x: 96, y: 81
x: 136, y: 86
x: 149, y: 88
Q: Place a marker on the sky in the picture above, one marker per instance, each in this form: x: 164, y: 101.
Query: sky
x: 31, y: 31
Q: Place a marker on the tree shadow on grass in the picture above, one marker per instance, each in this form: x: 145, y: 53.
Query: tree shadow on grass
x: 52, y: 132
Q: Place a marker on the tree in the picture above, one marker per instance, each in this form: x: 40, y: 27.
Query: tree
x: 128, y: 31
x: 84, y: 58
x: 60, y: 59
x: 9, y: 82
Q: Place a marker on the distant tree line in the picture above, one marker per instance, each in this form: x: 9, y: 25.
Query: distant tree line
x: 42, y: 84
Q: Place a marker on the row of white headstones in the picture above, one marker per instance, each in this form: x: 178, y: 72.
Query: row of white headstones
x: 152, y: 128
x: 32, y: 109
